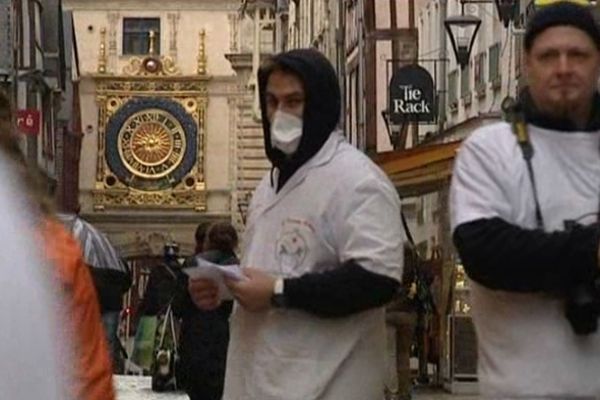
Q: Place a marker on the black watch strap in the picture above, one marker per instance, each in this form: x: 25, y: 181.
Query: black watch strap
x: 278, y: 297
x: 278, y: 301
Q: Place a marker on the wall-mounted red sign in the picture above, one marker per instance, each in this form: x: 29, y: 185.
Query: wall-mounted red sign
x: 28, y: 121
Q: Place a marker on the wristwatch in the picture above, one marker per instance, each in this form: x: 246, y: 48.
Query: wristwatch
x: 278, y: 297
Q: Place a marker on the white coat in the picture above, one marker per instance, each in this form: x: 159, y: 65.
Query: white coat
x: 337, y: 207
x: 527, y: 348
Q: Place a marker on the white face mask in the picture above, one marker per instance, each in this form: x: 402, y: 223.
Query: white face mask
x: 286, y: 132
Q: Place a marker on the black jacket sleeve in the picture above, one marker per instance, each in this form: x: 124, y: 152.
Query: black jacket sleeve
x: 339, y: 292
x: 503, y: 256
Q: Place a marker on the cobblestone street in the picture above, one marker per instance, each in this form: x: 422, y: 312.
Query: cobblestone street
x: 138, y: 388
x: 439, y: 394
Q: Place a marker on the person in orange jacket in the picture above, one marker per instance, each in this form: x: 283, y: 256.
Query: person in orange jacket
x: 91, y: 370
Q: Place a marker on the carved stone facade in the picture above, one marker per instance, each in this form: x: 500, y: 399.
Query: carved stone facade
x: 159, y: 152
x: 315, y: 24
x: 252, y: 38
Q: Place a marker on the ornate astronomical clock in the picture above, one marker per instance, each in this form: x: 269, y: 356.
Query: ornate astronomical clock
x: 151, y: 136
x: 151, y: 144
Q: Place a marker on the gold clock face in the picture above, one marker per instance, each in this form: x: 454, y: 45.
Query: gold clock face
x: 151, y: 143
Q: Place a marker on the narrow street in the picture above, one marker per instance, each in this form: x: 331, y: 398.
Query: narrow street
x: 264, y: 189
x: 138, y: 388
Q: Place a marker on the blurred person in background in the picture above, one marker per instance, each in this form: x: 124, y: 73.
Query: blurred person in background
x: 162, y: 282
x: 91, y: 373
x: 111, y: 285
x: 200, y: 236
x: 401, y: 316
x: 162, y: 288
x: 205, y: 334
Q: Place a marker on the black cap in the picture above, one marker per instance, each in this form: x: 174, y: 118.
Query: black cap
x: 562, y: 13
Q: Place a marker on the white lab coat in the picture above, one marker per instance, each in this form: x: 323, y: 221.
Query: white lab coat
x: 527, y: 348
x: 337, y: 207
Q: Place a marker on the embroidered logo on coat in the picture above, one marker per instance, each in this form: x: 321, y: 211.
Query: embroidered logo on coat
x: 292, y: 245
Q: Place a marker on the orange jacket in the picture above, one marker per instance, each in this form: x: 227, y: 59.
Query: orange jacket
x: 92, y: 372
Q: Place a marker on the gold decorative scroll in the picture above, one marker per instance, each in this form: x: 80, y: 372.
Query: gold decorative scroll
x: 151, y: 66
x: 102, y: 60
x: 202, y: 53
x: 164, y: 199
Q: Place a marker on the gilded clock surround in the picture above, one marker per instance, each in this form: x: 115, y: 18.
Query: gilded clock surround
x: 151, y: 122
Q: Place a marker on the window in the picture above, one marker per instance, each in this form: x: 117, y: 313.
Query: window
x: 480, y: 73
x: 465, y: 81
x: 452, y: 87
x: 494, y: 64
x: 136, y: 35
x: 267, y: 39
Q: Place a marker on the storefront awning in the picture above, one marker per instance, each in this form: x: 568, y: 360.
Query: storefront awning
x: 421, y: 170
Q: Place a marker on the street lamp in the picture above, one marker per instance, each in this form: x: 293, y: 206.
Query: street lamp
x: 507, y: 11
x: 462, y: 30
x: 396, y: 133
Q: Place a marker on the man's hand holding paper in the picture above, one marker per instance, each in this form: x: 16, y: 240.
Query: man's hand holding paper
x: 207, y: 281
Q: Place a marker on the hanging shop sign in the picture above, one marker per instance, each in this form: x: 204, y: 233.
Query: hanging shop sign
x: 412, y: 95
x: 28, y: 121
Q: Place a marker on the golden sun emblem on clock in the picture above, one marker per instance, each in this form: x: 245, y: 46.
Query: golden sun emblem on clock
x: 151, y: 143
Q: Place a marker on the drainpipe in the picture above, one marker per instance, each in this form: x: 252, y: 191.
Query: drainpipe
x: 256, y: 63
x: 341, y: 58
x: 442, y: 68
x: 16, y: 41
x: 360, y: 120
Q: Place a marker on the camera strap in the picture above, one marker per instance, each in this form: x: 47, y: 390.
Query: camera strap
x: 520, y: 130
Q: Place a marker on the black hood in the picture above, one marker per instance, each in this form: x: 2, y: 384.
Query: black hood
x: 321, y: 108
x: 536, y: 117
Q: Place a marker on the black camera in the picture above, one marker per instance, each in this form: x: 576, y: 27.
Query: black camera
x: 582, y: 307
x: 171, y: 250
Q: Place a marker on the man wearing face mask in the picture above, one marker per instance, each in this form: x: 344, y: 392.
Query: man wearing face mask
x: 322, y: 251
